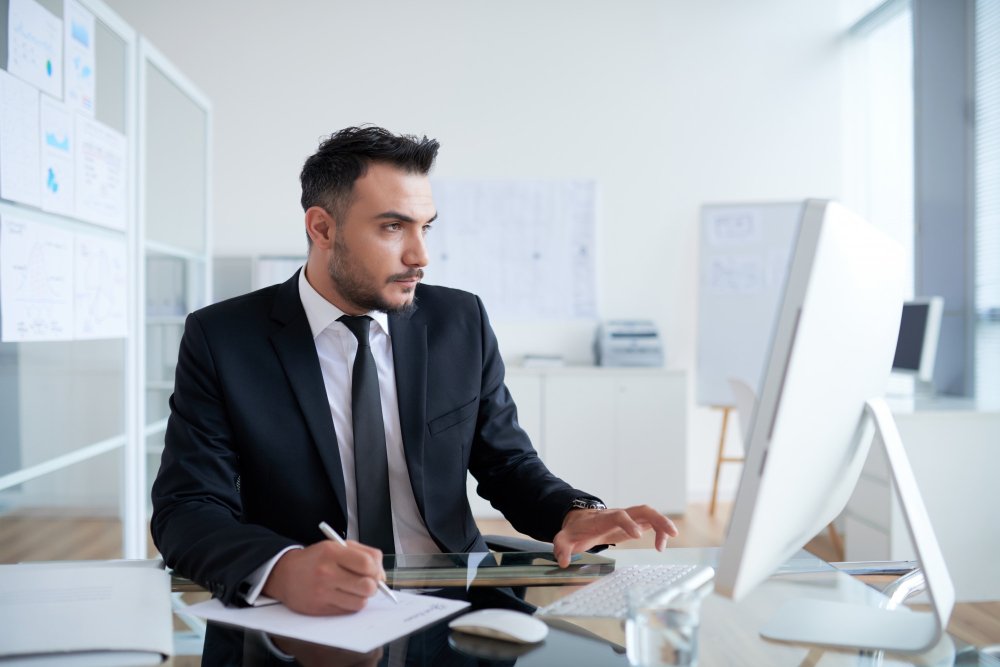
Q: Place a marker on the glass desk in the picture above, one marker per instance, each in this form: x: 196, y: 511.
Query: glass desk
x: 728, y: 633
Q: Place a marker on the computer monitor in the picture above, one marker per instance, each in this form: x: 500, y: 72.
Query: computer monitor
x: 916, y: 346
x: 810, y: 431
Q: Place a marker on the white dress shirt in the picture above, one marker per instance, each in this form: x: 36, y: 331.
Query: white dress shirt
x: 336, y: 347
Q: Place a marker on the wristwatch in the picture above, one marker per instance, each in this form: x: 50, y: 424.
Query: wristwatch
x: 587, y: 504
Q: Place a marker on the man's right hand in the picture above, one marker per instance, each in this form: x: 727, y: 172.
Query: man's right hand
x: 326, y: 578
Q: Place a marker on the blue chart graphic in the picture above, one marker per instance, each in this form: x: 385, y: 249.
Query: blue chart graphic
x: 51, y: 182
x: 55, y: 142
x: 79, y: 33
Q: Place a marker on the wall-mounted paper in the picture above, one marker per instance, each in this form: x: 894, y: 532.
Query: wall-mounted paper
x: 527, y: 248
x: 57, y: 141
x: 100, y: 288
x: 78, y: 25
x: 34, y: 46
x: 20, y: 160
x: 101, y: 168
x: 36, y: 277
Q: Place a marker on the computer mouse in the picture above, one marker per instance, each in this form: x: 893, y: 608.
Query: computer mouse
x: 512, y: 626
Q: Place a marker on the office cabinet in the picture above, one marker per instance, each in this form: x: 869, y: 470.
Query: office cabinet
x: 954, y: 453
x: 619, y: 433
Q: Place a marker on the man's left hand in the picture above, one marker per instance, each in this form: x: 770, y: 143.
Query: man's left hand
x: 584, y: 529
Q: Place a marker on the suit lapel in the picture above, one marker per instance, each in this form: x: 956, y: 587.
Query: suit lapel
x: 296, y: 350
x: 409, y: 356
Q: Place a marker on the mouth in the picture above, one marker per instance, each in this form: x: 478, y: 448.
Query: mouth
x: 410, y: 278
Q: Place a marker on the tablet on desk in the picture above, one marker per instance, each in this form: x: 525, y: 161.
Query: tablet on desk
x: 492, y: 569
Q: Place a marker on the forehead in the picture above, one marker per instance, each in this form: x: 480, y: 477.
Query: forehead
x: 385, y: 187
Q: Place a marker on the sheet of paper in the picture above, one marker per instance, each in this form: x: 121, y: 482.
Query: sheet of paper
x: 101, y: 173
x: 99, y: 288
x: 527, y: 248
x: 57, y: 137
x: 34, y: 46
x: 62, y: 614
x: 79, y: 73
x: 380, y: 622
x: 20, y: 159
x: 36, y: 281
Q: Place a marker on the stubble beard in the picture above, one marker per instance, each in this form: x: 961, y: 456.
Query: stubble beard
x: 359, y: 287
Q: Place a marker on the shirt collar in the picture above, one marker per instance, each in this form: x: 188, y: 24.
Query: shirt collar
x: 321, y: 313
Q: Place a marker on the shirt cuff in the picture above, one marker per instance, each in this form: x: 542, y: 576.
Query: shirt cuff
x: 254, y: 583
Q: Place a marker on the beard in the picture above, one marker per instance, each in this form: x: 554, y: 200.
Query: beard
x: 360, y: 287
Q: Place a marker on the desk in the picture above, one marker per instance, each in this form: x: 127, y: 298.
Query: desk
x: 728, y: 634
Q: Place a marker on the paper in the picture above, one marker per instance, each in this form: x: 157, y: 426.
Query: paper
x: 101, y: 168
x: 734, y: 227
x: 100, y: 289
x: 36, y: 281
x: 527, y: 248
x: 20, y: 160
x: 57, y: 137
x: 34, y: 46
x: 378, y: 623
x: 61, y: 614
x: 78, y: 24
x: 733, y: 274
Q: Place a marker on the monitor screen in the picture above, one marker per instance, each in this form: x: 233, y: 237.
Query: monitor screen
x: 916, y: 345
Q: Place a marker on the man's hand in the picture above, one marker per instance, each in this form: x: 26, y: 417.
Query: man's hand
x: 583, y: 529
x: 326, y: 578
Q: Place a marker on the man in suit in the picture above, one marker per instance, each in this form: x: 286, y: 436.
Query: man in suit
x: 355, y: 395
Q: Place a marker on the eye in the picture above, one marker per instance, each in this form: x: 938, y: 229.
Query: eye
x: 393, y: 227
x: 426, y: 229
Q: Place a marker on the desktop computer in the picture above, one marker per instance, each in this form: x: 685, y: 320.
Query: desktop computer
x: 821, y: 402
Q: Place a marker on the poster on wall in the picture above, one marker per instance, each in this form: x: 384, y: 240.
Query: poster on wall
x: 19, y: 148
x: 80, y: 70
x: 101, y: 185
x: 34, y: 46
x: 57, y: 141
x: 99, y: 287
x: 36, y: 281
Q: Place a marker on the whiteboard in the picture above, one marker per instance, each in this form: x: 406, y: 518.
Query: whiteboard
x: 744, y: 251
x: 527, y: 248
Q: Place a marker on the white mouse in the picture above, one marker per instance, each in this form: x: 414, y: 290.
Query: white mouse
x: 512, y: 626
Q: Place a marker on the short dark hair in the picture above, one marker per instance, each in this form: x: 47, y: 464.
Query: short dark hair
x: 328, y: 175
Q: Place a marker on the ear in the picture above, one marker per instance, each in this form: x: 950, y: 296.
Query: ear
x: 320, y: 227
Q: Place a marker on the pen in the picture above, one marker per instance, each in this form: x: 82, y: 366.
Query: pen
x: 332, y: 534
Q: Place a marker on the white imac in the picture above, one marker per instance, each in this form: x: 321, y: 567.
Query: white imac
x: 916, y: 345
x: 820, y: 403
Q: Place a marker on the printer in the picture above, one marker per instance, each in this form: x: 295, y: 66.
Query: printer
x: 628, y: 343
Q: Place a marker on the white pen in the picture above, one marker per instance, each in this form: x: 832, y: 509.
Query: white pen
x: 333, y: 535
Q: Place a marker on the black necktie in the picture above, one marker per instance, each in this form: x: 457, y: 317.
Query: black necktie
x: 371, y: 468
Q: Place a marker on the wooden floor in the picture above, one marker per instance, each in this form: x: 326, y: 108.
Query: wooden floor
x: 30, y: 537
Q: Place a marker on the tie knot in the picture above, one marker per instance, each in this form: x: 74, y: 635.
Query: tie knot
x: 358, y: 324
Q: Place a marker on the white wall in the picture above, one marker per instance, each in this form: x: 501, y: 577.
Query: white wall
x: 667, y: 103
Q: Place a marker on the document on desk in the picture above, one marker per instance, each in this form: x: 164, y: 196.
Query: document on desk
x: 380, y: 622
x: 84, y: 615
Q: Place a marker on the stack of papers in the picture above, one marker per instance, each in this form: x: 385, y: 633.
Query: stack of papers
x: 60, y: 613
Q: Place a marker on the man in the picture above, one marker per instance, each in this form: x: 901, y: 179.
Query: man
x: 355, y: 395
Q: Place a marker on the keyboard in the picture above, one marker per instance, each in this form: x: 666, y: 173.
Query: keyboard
x: 607, y: 597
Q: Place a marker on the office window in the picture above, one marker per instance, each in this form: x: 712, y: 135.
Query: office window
x: 987, y: 201
x: 880, y: 123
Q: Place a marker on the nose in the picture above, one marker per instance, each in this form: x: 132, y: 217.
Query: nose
x: 415, y: 255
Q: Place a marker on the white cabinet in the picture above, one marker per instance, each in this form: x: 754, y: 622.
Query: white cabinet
x: 955, y: 454
x: 618, y: 433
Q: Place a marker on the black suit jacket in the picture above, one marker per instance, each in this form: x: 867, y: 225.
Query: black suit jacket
x: 251, y: 463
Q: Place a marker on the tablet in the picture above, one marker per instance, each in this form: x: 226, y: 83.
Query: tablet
x: 492, y: 569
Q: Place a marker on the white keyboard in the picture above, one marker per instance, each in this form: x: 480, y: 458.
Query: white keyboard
x: 606, y: 597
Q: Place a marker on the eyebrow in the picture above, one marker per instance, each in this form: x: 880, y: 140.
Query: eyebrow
x: 395, y: 215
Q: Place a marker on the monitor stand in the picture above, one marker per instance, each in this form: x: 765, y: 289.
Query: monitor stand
x: 846, y: 625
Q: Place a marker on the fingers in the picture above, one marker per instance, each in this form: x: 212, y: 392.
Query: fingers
x: 326, y: 578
